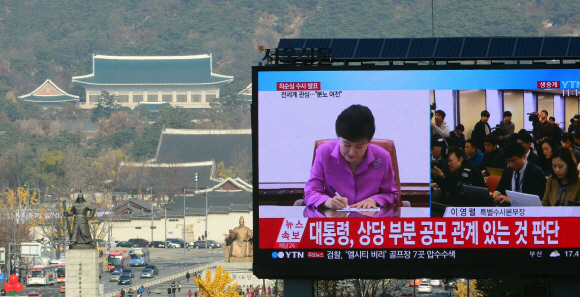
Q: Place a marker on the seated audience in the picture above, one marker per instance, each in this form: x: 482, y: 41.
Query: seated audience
x: 547, y: 146
x: 474, y: 155
x: 458, y: 136
x: 520, y: 175
x: 439, y: 152
x: 563, y: 184
x: 457, y: 173
x: 493, y: 156
x: 525, y: 138
x: 567, y: 142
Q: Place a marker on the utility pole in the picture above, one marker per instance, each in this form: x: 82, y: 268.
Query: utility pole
x: 165, y: 243
x: 151, y: 189
x: 184, y: 243
x: 206, y: 219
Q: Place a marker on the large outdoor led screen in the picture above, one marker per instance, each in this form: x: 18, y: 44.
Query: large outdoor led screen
x: 331, y: 204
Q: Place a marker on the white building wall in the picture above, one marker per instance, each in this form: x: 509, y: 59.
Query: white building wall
x: 218, y: 225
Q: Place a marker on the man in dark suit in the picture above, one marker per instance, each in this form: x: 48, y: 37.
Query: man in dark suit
x: 481, y: 129
x: 519, y: 176
x: 525, y: 138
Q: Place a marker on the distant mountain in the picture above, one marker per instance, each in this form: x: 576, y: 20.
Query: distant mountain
x: 40, y: 39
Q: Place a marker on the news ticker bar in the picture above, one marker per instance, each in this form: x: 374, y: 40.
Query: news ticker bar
x: 419, y: 233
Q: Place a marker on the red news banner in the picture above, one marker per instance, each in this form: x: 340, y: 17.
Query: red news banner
x: 418, y: 233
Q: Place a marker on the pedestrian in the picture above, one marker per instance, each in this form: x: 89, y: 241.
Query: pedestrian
x: 118, y: 295
x: 173, y: 288
x: 178, y: 287
x: 130, y: 293
x: 196, y: 293
x: 169, y: 291
x: 142, y: 289
x: 189, y: 293
x: 187, y: 276
x: 148, y: 291
x: 122, y: 292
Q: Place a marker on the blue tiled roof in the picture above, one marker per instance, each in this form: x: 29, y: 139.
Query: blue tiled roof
x: 160, y: 70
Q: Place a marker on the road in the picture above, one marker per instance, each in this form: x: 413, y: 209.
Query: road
x: 169, y: 261
x: 435, y: 290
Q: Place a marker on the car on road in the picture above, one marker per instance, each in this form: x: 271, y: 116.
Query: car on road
x: 179, y: 240
x: 115, y: 276
x: 139, y: 242
x: 125, y: 280
x: 451, y: 283
x: 211, y: 244
x: 63, y: 288
x: 435, y: 283
x: 200, y: 244
x: 424, y: 288
x: 157, y: 244
x: 154, y: 268
x: 128, y: 272
x: 171, y: 244
x: 175, y: 243
x: 117, y: 268
x: 147, y: 273
x: 34, y: 294
x: 126, y: 244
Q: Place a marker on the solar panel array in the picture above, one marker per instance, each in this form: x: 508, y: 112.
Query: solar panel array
x: 444, y: 48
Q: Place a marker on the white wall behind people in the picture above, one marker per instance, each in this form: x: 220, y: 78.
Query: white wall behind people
x: 289, y: 127
x: 493, y: 104
x: 445, y: 101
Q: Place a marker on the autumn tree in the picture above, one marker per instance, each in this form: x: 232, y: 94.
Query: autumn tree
x: 462, y: 289
x: 220, y: 286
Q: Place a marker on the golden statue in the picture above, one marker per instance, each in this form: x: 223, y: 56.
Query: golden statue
x: 188, y: 232
x: 239, y: 242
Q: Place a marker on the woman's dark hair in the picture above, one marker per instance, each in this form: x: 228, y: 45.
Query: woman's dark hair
x: 552, y: 143
x: 355, y: 123
x: 565, y: 154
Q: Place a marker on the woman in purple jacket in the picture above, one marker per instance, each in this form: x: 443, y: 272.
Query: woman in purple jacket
x: 349, y: 171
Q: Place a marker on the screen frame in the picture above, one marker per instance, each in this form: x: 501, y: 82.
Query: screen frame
x: 360, y: 270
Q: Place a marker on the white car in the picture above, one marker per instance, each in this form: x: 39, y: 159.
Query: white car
x: 424, y: 288
x: 435, y: 283
x: 172, y: 244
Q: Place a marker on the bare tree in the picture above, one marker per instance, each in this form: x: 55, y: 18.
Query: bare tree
x: 242, y: 161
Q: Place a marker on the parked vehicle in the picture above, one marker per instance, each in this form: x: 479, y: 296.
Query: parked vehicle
x: 157, y: 244
x: 174, y: 244
x: 211, y: 244
x: 126, y: 244
x: 178, y: 240
x: 139, y: 242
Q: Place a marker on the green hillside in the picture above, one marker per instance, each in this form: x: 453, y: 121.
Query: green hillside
x: 55, y: 39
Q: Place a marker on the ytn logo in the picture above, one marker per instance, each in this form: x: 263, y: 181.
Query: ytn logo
x: 295, y: 255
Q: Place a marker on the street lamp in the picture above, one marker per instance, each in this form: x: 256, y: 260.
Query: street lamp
x: 151, y: 189
x: 184, y: 243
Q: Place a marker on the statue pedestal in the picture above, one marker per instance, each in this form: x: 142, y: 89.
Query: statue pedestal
x: 235, y: 259
x: 82, y: 273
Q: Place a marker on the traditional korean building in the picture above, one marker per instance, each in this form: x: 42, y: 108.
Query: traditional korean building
x: 185, y: 81
x: 49, y: 95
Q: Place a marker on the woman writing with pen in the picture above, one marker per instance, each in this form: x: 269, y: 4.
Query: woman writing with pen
x: 349, y: 171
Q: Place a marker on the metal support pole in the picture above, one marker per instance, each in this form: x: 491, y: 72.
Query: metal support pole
x: 206, y: 219
x: 467, y: 287
x: 165, y: 243
x: 151, y: 189
x: 184, y: 243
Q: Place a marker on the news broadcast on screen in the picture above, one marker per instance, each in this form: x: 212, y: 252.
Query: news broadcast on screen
x: 395, y: 168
